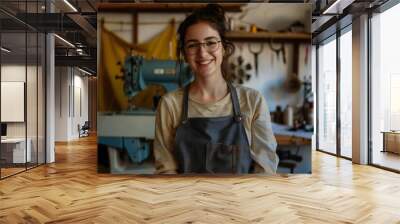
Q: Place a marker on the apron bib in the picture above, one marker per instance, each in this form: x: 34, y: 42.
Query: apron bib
x: 212, y: 144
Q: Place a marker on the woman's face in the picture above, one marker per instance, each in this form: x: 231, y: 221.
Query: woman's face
x: 203, y: 49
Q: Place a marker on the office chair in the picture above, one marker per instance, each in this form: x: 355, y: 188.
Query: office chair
x: 84, y: 130
x: 289, y: 160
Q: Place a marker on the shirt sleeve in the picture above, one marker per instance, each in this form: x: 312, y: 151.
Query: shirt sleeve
x: 263, y: 142
x: 164, y: 140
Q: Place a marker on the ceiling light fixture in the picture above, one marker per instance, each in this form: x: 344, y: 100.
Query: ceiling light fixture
x: 5, y: 50
x: 84, y: 71
x: 65, y: 41
x: 70, y: 5
x: 337, y: 7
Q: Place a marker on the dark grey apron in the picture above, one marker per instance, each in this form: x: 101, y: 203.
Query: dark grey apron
x: 212, y: 145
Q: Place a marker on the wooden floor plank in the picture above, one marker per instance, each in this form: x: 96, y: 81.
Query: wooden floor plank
x: 71, y: 191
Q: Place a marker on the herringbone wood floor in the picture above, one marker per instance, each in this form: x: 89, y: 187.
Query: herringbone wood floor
x: 70, y: 191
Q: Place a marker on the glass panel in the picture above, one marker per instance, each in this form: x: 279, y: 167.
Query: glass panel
x: 385, y: 84
x: 22, y: 63
x: 41, y: 99
x: 327, y: 97
x: 314, y: 90
x: 346, y: 94
x: 32, y: 94
x: 13, y: 82
x: 31, y: 97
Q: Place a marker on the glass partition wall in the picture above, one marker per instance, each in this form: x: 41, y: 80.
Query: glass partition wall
x: 334, y: 102
x: 327, y: 96
x: 345, y: 61
x: 385, y: 89
x: 13, y: 109
x: 22, y: 77
x: 335, y: 109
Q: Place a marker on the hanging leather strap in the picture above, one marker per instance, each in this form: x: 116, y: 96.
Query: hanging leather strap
x: 235, y: 102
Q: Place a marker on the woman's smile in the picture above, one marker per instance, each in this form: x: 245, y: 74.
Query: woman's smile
x: 204, y: 63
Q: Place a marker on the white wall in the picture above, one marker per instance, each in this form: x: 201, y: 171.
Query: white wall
x: 80, y: 115
x: 12, y: 73
x: 71, y: 93
x: 61, y: 103
x: 122, y: 29
x: 272, y: 74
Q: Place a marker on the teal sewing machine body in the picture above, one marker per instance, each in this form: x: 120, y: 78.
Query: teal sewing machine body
x: 131, y: 132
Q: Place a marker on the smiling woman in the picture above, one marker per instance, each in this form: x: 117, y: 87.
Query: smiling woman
x: 206, y: 61
x: 212, y: 126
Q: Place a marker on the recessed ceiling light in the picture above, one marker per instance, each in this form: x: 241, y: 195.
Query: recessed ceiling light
x: 5, y: 50
x: 84, y: 71
x: 337, y: 7
x: 65, y: 41
x: 70, y: 5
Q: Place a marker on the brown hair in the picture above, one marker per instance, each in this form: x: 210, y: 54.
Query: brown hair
x: 214, y: 15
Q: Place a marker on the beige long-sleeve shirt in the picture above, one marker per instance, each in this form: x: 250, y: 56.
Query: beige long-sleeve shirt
x: 257, y: 123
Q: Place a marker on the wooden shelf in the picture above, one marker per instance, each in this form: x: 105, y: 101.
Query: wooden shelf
x: 266, y: 36
x: 291, y: 140
x: 161, y: 7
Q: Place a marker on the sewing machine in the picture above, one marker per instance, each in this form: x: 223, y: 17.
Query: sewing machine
x: 128, y: 134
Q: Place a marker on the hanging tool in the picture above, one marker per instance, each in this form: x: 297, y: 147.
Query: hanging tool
x: 256, y: 53
x: 278, y: 50
x: 293, y: 83
x: 283, y: 53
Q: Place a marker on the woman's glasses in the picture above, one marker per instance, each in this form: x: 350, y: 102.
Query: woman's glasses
x: 209, y: 46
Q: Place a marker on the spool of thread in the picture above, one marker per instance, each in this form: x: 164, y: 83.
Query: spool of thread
x: 253, y: 28
x: 289, y: 116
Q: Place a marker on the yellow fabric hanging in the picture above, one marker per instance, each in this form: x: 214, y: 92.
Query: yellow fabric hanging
x: 162, y: 46
x: 114, y: 50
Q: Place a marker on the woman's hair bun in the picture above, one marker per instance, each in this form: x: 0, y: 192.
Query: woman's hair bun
x: 214, y: 15
x: 215, y: 10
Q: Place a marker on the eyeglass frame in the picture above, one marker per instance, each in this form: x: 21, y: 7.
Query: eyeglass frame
x: 201, y: 44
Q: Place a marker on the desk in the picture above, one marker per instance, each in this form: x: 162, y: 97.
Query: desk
x: 391, y: 141
x: 286, y: 137
x: 15, y: 148
x: 291, y: 145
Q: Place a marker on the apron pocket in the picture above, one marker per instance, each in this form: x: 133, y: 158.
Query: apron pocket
x: 221, y: 158
x: 191, y: 158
